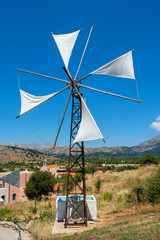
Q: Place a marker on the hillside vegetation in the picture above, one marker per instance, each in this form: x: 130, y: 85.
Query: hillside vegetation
x: 10, y: 154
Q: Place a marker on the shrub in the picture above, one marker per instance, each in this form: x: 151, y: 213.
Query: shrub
x: 5, y: 213
x: 148, y: 160
x: 152, y: 189
x: 149, y: 191
x: 46, y: 216
x: 108, y: 196
x: 98, y: 184
x: 139, y: 193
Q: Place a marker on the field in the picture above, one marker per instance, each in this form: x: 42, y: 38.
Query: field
x: 120, y: 215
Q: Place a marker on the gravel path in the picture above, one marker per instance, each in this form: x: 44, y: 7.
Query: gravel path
x: 8, y: 234
x: 10, y: 231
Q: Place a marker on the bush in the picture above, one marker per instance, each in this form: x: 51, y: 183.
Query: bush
x: 139, y: 193
x: 148, y: 160
x: 108, y: 196
x: 152, y: 189
x: 149, y: 191
x: 98, y: 184
x: 5, y: 213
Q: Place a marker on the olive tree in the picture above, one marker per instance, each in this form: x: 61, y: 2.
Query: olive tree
x: 40, y: 183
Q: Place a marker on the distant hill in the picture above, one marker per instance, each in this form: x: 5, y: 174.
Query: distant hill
x: 151, y: 146
x: 10, y: 153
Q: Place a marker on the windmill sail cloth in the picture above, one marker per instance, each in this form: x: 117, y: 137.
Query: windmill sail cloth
x: 88, y: 129
x: 120, y: 67
x: 29, y: 101
x: 65, y: 44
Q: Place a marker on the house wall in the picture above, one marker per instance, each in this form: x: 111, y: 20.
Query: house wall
x: 44, y: 168
x: 24, y: 177
x: 4, y: 193
x: 54, y: 171
x: 15, y: 194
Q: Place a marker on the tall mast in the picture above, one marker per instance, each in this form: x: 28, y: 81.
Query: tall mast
x: 76, y: 187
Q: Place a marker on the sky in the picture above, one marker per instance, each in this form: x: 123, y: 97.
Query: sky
x: 119, y: 26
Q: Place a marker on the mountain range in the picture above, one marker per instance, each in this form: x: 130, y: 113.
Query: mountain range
x: 151, y: 146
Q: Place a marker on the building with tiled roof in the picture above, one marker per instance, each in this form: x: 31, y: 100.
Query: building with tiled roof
x: 50, y: 168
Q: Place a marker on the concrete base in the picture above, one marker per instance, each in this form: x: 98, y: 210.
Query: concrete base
x: 59, y: 228
x: 61, y: 205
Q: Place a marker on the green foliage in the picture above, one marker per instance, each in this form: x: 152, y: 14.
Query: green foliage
x: 98, y: 184
x: 148, y: 191
x: 152, y: 189
x: 149, y: 159
x: 89, y: 188
x: 47, y: 213
x: 5, y: 213
x: 40, y: 183
x: 92, y: 169
x: 79, y: 177
x: 139, y: 193
x: 123, y: 168
x: 46, y: 216
x: 108, y: 196
x: 32, y: 210
x: 63, y: 181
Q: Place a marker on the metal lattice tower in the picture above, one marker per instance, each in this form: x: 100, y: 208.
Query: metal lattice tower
x: 76, y: 187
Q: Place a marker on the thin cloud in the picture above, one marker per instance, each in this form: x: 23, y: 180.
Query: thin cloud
x: 156, y: 124
x: 158, y: 118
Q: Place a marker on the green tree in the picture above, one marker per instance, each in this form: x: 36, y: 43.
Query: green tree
x: 149, y: 159
x: 40, y: 183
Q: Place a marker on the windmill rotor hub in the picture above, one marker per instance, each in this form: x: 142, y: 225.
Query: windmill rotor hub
x: 73, y: 83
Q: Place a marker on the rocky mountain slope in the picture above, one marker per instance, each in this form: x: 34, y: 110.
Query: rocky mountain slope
x: 151, y: 146
x: 9, y: 153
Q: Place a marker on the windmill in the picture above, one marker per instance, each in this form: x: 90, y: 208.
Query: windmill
x: 83, y: 125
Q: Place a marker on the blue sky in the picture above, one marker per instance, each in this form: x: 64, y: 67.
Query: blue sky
x: 120, y: 26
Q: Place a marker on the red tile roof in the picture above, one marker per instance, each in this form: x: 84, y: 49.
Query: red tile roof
x: 64, y: 173
x: 99, y: 171
x: 52, y: 166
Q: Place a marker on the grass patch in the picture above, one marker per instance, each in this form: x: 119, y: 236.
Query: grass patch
x: 5, y: 214
x: 119, y: 231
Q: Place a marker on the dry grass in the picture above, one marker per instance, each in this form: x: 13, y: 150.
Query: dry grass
x: 119, y: 184
x: 41, y: 229
x: 42, y: 226
x: 23, y: 211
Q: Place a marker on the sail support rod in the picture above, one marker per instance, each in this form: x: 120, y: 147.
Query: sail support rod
x: 62, y: 118
x: 45, y: 100
x: 41, y: 75
x: 84, y: 52
x: 108, y: 93
x: 67, y: 73
x: 84, y: 77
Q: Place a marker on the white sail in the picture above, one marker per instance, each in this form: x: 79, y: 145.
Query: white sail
x: 65, y: 44
x: 88, y: 129
x: 120, y: 67
x: 29, y: 101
